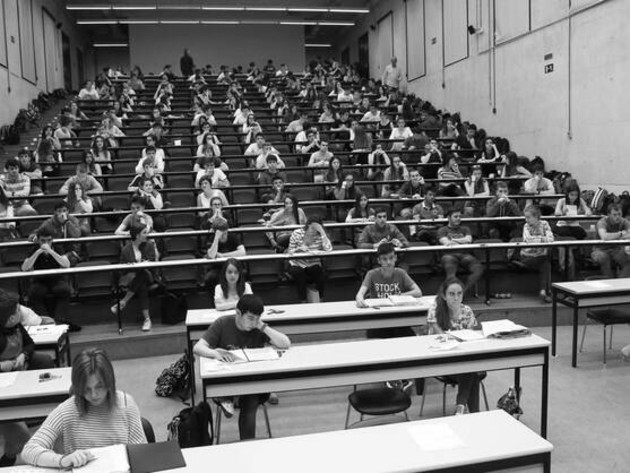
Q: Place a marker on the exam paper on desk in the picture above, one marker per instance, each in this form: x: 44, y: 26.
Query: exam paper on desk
x: 437, y: 436
x: 8, y: 379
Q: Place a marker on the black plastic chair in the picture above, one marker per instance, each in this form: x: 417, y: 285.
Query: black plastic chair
x: 609, y: 316
x: 148, y: 430
x: 377, y: 402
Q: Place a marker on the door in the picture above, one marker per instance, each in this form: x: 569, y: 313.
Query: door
x: 67, y: 61
x: 80, y: 68
x: 364, y: 55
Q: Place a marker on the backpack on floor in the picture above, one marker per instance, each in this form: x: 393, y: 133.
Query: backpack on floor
x: 175, y: 379
x: 190, y: 427
x: 509, y: 402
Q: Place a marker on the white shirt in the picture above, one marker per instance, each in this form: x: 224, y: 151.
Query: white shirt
x: 392, y: 76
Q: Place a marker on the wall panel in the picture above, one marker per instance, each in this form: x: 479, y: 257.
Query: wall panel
x: 416, y: 46
x: 455, y: 32
x: 27, y: 40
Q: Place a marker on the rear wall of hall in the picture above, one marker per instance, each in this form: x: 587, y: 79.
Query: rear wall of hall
x: 152, y: 46
x: 575, y: 116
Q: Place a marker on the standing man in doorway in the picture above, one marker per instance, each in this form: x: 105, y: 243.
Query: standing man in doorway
x: 392, y: 75
x: 186, y: 64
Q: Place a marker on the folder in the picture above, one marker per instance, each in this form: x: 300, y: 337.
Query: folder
x: 149, y: 457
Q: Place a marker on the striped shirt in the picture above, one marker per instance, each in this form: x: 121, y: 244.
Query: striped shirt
x: 67, y: 430
x: 317, y: 243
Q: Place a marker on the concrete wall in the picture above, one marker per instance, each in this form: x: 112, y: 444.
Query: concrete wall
x: 15, y: 91
x: 575, y: 117
x: 152, y: 46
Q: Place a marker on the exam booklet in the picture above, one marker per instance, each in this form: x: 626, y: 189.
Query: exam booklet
x: 255, y: 354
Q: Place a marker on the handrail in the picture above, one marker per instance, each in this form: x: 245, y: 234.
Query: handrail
x: 284, y: 256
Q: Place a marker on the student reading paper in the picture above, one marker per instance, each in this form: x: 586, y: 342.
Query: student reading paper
x: 96, y: 415
x: 232, y: 332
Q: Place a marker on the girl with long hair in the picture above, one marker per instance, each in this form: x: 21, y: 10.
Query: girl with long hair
x: 232, y: 285
x: 448, y: 313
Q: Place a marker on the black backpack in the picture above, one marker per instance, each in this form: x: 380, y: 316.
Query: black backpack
x: 174, y: 308
x: 190, y: 427
x: 175, y: 379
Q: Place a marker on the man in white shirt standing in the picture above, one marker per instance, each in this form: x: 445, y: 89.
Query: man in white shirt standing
x: 392, y: 75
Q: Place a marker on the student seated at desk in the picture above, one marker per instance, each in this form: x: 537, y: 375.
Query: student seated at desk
x: 537, y: 231
x: 96, y: 415
x: 385, y: 281
x: 243, y: 330
x: 17, y: 354
x: 448, y: 313
x: 232, y: 285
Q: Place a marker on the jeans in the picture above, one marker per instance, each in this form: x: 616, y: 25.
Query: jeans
x: 452, y: 261
x: 49, y: 296
x: 309, y: 275
x: 248, y: 406
x: 544, y: 267
x: 605, y: 257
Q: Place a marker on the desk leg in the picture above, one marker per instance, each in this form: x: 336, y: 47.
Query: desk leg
x: 575, y: 336
x: 487, y: 277
x: 545, y: 396
x: 517, y: 383
x: 554, y: 320
x: 193, y: 383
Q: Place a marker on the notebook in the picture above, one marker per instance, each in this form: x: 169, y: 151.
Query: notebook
x: 245, y: 355
x: 148, y: 457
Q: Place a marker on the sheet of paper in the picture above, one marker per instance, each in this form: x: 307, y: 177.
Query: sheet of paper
x: 209, y: 365
x: 111, y: 459
x: 504, y: 326
x: 403, y: 300
x: 432, y: 437
x: 8, y: 379
x: 374, y: 303
x: 26, y: 469
x: 444, y: 345
x: 598, y: 284
x: 467, y: 335
x: 261, y: 354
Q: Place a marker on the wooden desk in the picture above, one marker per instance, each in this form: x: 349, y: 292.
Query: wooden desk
x: 324, y: 317
x: 583, y: 294
x: 52, y: 337
x: 370, y: 361
x: 485, y: 442
x: 29, y: 398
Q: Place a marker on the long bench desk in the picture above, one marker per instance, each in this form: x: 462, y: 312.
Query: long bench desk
x: 582, y: 294
x: 484, y: 442
x: 325, y: 317
x: 52, y: 338
x: 372, y: 361
x: 24, y: 396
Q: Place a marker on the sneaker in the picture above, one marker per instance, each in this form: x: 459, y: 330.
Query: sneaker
x: 460, y: 410
x: 273, y: 399
x: 146, y: 326
x: 407, y: 384
x: 395, y: 385
x: 545, y: 297
x: 227, y: 407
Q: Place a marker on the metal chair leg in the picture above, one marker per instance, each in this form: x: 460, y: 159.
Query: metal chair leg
x: 424, y: 393
x: 610, y: 338
x: 348, y: 416
x: 218, y: 425
x: 583, y: 333
x: 444, y: 400
x: 266, y: 413
x: 485, y: 397
x: 604, y: 345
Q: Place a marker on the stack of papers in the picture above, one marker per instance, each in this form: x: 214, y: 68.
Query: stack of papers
x: 504, y: 329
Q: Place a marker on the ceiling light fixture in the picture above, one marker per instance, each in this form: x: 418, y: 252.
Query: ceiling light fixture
x: 220, y: 22
x: 298, y: 23
x: 317, y: 45
x: 335, y: 23
x: 308, y: 10
x: 223, y: 8
x: 125, y: 7
x: 138, y: 22
x: 216, y: 8
x: 96, y: 22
